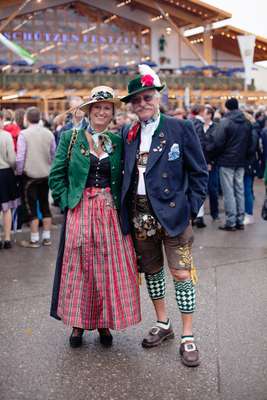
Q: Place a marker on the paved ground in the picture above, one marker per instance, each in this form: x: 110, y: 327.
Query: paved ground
x: 37, y: 363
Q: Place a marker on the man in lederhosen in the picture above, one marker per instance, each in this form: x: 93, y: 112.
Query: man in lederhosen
x: 164, y: 185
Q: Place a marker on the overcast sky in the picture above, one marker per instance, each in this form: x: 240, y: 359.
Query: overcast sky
x: 248, y: 15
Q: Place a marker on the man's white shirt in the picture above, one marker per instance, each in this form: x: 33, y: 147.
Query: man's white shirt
x: 147, y: 132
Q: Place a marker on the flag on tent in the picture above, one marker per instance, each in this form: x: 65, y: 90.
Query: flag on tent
x: 247, y: 48
x: 20, y: 51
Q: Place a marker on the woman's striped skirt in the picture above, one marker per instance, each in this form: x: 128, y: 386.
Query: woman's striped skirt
x: 99, y: 279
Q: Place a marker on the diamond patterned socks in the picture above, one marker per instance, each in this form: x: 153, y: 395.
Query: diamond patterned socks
x: 185, y: 296
x: 156, y: 285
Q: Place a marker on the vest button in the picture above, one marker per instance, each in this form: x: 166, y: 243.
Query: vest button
x: 164, y: 175
x: 172, y: 204
x: 166, y: 190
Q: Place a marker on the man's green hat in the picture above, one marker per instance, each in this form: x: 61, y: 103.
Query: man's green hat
x: 147, y: 80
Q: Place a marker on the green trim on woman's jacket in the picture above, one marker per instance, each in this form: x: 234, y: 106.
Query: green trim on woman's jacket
x: 67, y: 178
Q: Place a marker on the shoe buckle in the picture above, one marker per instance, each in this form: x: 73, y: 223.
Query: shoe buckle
x: 190, y: 347
x: 155, y: 330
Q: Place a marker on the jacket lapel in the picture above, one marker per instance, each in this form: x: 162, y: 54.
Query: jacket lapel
x: 158, y: 145
x: 130, y: 154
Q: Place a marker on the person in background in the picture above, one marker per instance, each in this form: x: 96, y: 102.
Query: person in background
x: 9, y: 196
x: 75, y: 118
x: 46, y: 122
x: 250, y: 171
x: 58, y: 124
x: 120, y: 119
x: 20, y: 214
x: 11, y: 126
x: 259, y: 127
x: 265, y: 179
x: 264, y: 206
x: 179, y: 113
x: 231, y: 146
x: 19, y: 117
x: 213, y: 185
x: 262, y: 158
x: 218, y: 114
x: 197, y: 119
x: 36, y: 150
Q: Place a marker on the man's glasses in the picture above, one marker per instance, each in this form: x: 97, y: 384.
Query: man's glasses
x: 138, y: 99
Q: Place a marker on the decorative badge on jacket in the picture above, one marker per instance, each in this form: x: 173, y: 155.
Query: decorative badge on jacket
x: 174, y: 152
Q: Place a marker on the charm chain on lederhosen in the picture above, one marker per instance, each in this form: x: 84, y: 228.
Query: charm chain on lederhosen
x: 145, y: 224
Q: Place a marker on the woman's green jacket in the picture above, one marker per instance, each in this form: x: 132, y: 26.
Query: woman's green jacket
x: 68, y: 175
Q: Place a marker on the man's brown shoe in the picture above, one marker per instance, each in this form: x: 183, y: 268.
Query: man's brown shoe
x: 189, y: 354
x: 46, y: 242
x: 156, y: 336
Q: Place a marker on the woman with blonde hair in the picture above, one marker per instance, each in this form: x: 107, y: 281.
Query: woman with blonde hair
x: 96, y: 280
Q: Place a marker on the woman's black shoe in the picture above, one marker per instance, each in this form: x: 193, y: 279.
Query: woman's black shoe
x: 76, y: 337
x: 105, y: 337
x: 200, y: 222
x: 7, y: 244
x: 227, y: 228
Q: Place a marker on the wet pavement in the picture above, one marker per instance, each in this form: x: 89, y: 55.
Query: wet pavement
x: 36, y: 362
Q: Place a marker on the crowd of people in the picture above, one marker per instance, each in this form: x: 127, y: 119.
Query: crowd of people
x: 129, y: 181
x: 233, y: 139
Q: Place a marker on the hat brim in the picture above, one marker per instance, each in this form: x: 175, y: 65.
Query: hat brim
x: 127, y: 99
x: 84, y: 106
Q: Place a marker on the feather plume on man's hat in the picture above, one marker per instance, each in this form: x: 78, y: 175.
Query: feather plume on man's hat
x: 146, y: 80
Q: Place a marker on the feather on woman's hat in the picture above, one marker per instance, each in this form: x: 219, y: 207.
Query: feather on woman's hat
x: 148, y: 79
x: 100, y: 94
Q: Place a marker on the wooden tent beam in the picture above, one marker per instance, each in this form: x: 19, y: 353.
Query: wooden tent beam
x: 13, y: 15
x: 182, y: 37
x: 182, y: 15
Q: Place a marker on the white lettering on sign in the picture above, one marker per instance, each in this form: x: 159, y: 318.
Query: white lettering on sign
x: 71, y: 37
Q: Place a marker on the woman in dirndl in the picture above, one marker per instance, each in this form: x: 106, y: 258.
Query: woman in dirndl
x: 9, y: 195
x: 96, y: 279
